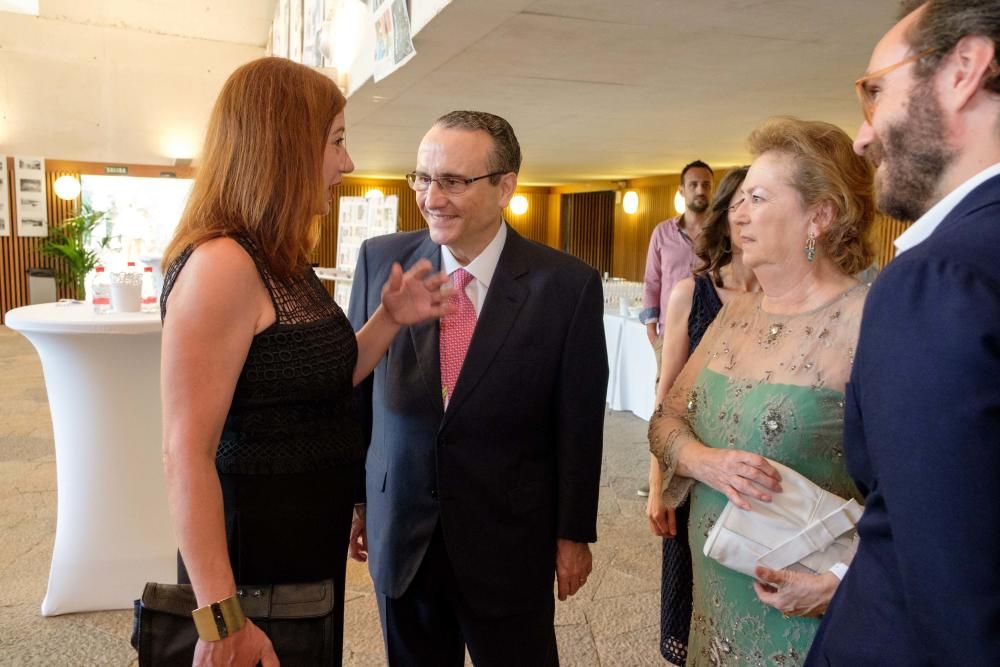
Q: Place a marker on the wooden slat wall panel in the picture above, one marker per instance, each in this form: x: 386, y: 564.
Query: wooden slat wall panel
x: 598, y: 230
x: 409, y: 215
x: 18, y: 254
x: 543, y: 222
x: 534, y: 223
x: 884, y: 232
x: 554, y: 239
x: 632, y: 232
x: 587, y: 227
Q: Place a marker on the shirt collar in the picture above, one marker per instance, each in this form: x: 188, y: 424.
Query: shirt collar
x: 484, y: 265
x: 921, y: 229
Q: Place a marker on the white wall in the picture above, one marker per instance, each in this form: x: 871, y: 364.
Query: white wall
x: 106, y: 93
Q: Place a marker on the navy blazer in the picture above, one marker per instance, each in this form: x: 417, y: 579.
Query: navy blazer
x: 515, y: 460
x: 922, y: 441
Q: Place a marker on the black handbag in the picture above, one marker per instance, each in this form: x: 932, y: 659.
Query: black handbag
x: 297, y: 618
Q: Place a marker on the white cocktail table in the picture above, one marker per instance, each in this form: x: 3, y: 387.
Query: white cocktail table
x: 113, y: 531
x: 632, y: 366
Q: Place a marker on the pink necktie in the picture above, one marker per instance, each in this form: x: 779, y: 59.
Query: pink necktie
x: 456, y: 332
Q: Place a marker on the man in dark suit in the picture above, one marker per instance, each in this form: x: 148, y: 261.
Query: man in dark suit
x: 486, y: 430
x: 922, y: 432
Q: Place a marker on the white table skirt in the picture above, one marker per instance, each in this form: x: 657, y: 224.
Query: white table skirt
x: 113, y: 531
x: 632, y: 380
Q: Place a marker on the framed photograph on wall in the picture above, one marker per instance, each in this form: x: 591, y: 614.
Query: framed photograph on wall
x: 295, y: 30
x: 312, y: 22
x: 29, y: 195
x: 393, y: 45
x: 279, y: 30
x: 4, y: 198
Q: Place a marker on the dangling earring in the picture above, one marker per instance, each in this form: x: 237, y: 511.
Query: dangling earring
x: 729, y: 246
x: 811, y: 247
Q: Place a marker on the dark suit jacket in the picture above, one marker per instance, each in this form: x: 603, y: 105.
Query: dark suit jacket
x: 515, y: 460
x: 922, y: 440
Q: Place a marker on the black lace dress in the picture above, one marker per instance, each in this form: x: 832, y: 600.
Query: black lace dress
x: 676, y: 580
x: 290, y: 453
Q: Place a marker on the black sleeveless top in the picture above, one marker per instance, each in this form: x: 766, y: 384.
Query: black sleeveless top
x: 291, y: 410
x: 677, y: 580
x: 705, y: 305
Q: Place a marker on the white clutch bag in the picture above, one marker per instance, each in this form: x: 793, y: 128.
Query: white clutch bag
x: 803, y: 528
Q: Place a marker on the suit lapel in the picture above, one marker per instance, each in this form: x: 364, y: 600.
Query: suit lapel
x: 985, y: 193
x: 425, y: 336
x: 504, y: 299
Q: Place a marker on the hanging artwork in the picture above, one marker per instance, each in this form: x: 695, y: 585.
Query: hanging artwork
x: 393, y: 45
x: 29, y: 196
x: 295, y: 30
x: 312, y: 22
x: 4, y: 198
x: 279, y: 30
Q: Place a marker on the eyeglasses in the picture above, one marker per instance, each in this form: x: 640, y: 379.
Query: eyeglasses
x: 867, y: 96
x: 453, y: 185
x: 736, y: 204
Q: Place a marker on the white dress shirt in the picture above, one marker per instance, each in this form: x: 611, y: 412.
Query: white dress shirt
x: 482, y: 267
x: 929, y: 221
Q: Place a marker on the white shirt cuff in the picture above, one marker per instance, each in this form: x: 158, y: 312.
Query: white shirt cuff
x: 839, y: 570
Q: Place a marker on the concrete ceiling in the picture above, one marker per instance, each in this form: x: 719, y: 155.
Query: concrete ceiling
x: 602, y: 89
x: 595, y: 89
x: 243, y: 22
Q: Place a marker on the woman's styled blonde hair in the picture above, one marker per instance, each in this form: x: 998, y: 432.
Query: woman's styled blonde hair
x: 261, y: 168
x: 826, y: 169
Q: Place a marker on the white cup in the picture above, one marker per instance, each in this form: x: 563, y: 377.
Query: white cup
x: 126, y: 298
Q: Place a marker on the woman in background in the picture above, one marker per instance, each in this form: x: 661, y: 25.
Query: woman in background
x: 694, y: 303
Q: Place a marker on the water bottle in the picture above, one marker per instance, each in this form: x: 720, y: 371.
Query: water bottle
x: 150, y: 302
x: 100, y: 290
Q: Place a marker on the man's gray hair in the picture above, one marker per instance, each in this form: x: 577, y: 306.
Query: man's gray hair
x: 944, y: 22
x: 506, y: 154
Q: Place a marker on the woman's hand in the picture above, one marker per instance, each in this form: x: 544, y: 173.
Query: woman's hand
x: 245, y: 648
x: 416, y: 295
x: 795, y: 593
x: 733, y: 472
x: 662, y: 520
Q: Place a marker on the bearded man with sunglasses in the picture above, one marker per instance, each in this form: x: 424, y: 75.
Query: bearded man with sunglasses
x: 486, y: 430
x: 922, y: 414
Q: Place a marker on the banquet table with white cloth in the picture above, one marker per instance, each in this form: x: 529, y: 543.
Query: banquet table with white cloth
x: 102, y: 376
x: 632, y: 365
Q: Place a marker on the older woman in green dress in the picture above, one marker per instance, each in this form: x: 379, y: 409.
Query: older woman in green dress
x: 767, y: 382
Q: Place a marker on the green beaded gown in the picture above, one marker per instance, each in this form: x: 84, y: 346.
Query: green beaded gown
x: 772, y: 385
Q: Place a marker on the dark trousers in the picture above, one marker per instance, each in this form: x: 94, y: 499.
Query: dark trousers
x: 431, y: 624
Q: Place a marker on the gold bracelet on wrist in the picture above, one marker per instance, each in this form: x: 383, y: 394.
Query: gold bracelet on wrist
x: 220, y: 619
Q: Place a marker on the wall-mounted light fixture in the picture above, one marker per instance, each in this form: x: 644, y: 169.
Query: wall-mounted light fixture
x: 67, y: 187
x: 630, y: 202
x: 179, y: 147
x: 374, y: 193
x: 679, y: 204
x: 519, y: 205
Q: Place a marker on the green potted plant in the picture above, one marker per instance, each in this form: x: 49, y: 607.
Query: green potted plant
x: 73, y: 241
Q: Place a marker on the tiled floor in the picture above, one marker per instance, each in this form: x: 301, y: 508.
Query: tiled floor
x: 612, y: 621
